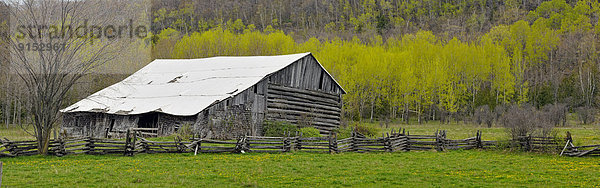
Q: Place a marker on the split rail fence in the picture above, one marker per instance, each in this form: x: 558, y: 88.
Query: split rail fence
x: 400, y: 140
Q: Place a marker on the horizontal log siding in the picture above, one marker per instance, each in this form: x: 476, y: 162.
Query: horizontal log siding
x: 298, y: 106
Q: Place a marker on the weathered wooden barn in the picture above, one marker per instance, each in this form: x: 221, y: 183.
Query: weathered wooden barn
x: 218, y: 97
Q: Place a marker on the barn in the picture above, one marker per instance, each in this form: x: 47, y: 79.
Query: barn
x: 217, y: 97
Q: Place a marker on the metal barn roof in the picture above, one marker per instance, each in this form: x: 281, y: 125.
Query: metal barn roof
x: 183, y: 87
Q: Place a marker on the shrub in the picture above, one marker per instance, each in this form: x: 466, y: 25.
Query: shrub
x: 525, y: 121
x: 586, y: 115
x: 556, y: 113
x: 278, y: 128
x: 366, y: 130
x: 345, y: 132
x: 498, y: 111
x: 483, y: 114
x: 310, y: 132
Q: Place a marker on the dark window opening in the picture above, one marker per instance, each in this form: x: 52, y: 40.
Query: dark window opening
x: 149, y: 120
x: 112, y: 125
x: 255, y: 89
x: 321, y: 80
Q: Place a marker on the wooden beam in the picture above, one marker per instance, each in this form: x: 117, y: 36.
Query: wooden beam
x: 308, y: 114
x: 295, y: 118
x: 303, y: 104
x: 304, y: 91
x: 302, y: 97
x: 303, y: 109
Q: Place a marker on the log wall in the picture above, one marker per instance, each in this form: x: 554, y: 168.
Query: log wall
x: 304, y: 107
x: 306, y: 95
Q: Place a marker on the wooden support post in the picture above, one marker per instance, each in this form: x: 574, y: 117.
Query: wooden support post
x: 337, y: 150
x: 563, y: 150
x: 90, y: 145
x: 330, y: 144
x: 528, y: 146
x: 353, y: 142
x: 199, y: 146
x: 134, y: 140
x: 177, y: 143
x: 438, y: 138
x: 478, y: 139
x: 299, y: 143
x: 127, y: 142
x: 569, y: 138
x: 388, y: 144
x: 285, y: 143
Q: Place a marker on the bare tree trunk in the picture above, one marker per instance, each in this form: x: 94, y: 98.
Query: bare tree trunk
x: 372, y: 109
x: 7, y: 101
x: 47, y: 76
x: 406, y: 114
x: 14, y: 117
x: 20, y: 122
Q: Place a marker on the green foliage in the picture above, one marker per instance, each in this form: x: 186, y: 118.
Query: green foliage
x: 345, y: 132
x: 419, y: 72
x: 369, y: 130
x: 310, y: 132
x: 278, y: 128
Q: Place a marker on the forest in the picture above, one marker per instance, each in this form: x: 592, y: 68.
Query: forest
x: 397, y: 59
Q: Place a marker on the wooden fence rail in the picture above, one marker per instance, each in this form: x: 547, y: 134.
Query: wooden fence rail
x: 396, y: 140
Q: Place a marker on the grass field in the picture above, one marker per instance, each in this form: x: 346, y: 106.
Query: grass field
x: 437, y: 169
x: 15, y: 133
x: 474, y: 168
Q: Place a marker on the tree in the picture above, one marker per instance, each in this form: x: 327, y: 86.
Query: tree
x: 47, y: 72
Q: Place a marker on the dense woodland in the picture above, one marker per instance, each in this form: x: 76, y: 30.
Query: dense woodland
x: 427, y: 60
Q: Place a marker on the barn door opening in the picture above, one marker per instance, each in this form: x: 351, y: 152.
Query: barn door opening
x: 149, y: 120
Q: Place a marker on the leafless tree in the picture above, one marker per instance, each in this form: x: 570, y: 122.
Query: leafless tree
x: 48, y: 54
x: 525, y: 120
x: 556, y: 113
x: 586, y: 114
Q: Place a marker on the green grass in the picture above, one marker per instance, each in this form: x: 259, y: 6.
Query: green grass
x: 582, y: 134
x: 437, y: 169
x: 15, y: 133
